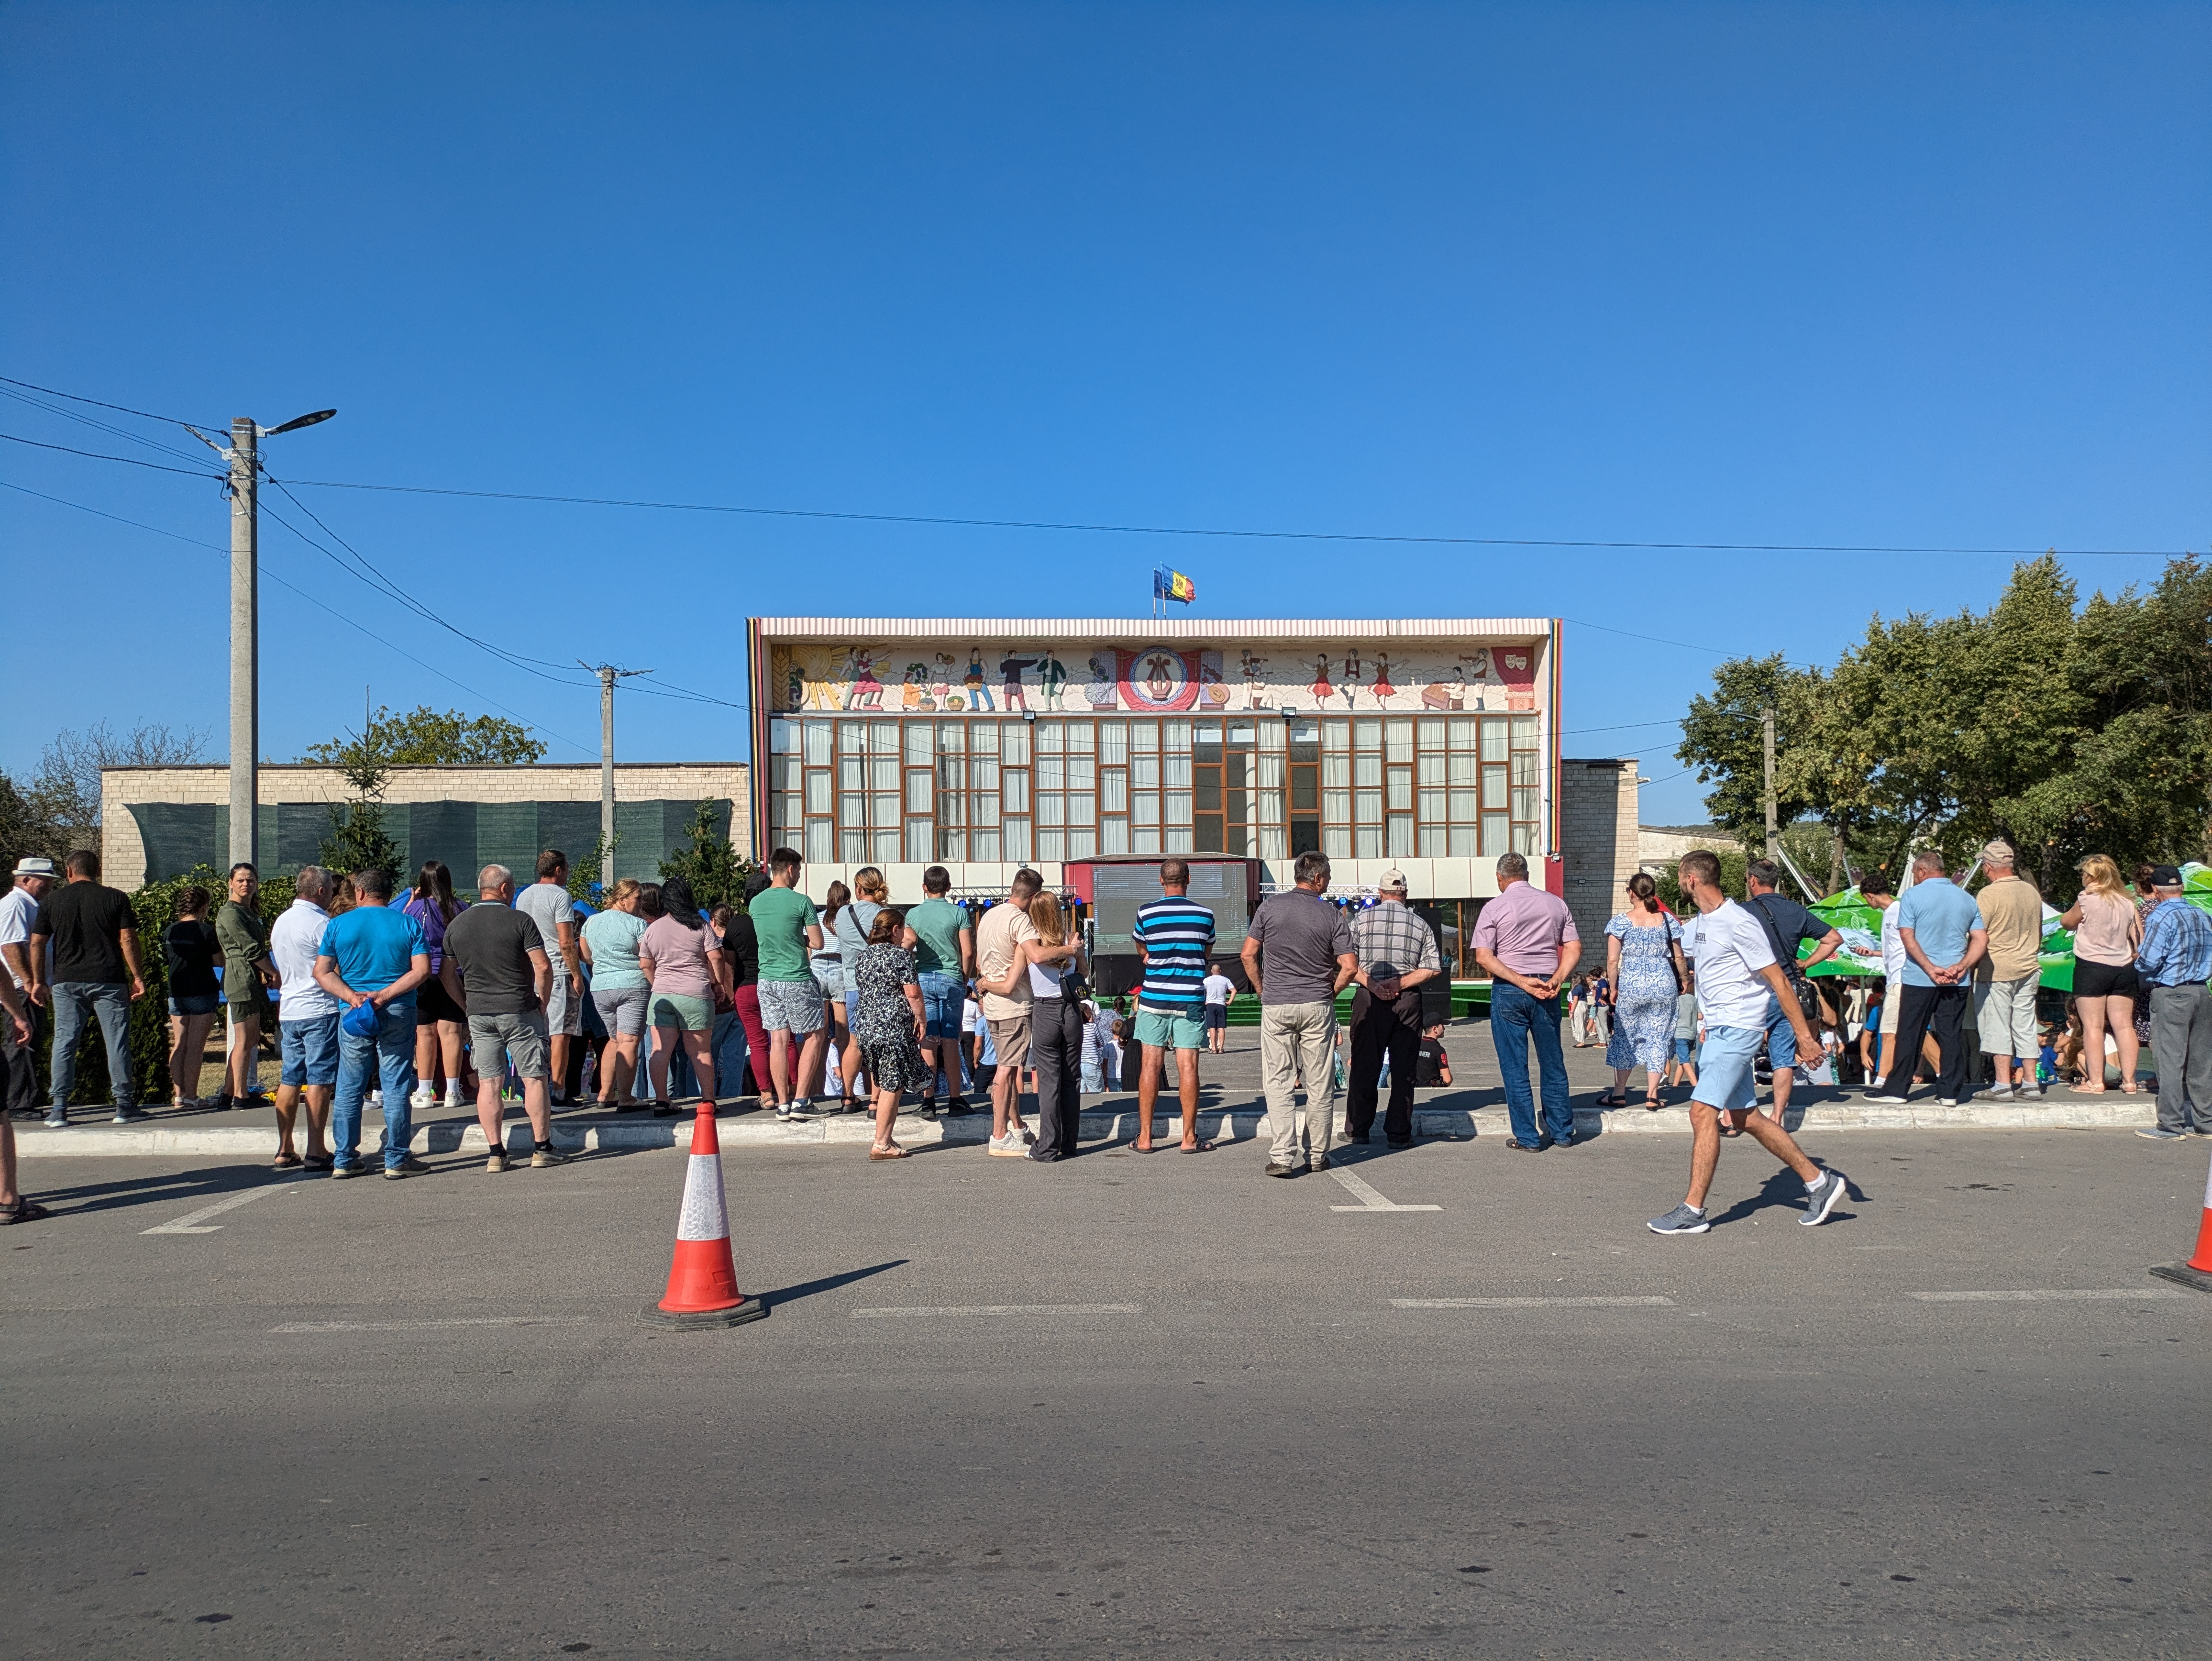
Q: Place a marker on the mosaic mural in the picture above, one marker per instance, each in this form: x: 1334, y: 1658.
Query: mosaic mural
x: 1143, y: 680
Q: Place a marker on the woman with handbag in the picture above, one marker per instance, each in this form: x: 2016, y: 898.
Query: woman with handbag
x: 1644, y: 975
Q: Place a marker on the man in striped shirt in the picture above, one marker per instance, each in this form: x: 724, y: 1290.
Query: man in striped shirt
x: 1175, y: 934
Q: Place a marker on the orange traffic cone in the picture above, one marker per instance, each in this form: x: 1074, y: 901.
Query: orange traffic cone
x: 2196, y: 1272
x: 703, y: 1281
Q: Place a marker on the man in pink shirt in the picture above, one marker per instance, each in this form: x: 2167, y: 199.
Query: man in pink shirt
x: 1525, y: 941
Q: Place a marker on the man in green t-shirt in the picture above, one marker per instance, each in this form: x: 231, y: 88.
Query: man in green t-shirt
x: 790, y: 1001
x: 943, y: 942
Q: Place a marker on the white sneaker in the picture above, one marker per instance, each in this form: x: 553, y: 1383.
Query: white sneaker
x: 1008, y: 1146
x: 2000, y: 1092
x: 2028, y: 1093
x: 376, y: 1098
x: 454, y: 1098
x: 424, y: 1097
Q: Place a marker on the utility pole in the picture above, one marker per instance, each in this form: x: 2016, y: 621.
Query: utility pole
x: 608, y: 675
x: 1767, y: 742
x: 245, y: 643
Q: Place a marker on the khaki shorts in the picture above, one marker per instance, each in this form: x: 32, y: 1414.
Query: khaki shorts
x: 1010, y: 1039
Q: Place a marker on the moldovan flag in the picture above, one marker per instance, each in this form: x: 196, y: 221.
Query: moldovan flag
x: 1173, y: 584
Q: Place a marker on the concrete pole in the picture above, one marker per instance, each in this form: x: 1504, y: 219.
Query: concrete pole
x: 606, y: 775
x: 245, y: 646
x: 1766, y: 739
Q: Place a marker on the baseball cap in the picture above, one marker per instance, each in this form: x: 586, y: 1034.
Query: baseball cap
x: 1393, y: 879
x: 36, y: 865
x: 2164, y: 876
x: 361, y: 1020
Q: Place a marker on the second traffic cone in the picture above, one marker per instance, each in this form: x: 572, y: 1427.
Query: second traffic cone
x: 2198, y: 1271
x: 703, y: 1279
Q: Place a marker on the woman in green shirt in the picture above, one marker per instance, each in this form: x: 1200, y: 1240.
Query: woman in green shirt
x: 244, y: 938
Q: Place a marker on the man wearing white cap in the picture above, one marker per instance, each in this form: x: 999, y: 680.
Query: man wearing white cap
x: 19, y: 1073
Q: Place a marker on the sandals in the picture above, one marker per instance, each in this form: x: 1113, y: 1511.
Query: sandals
x: 1611, y: 1098
x: 24, y: 1211
x: 1195, y: 1147
x: 888, y: 1151
x: 287, y: 1162
x: 1652, y: 1104
x: 320, y: 1161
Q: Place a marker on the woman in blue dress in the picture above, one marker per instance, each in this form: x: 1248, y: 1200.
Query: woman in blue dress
x: 1644, y: 971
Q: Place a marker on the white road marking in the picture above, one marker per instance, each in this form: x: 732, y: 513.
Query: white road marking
x: 1532, y: 1302
x: 1003, y: 1309
x: 192, y: 1221
x: 2127, y: 1294
x: 427, y: 1326
x: 1364, y: 1191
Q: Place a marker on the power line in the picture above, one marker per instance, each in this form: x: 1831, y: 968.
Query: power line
x: 1198, y: 531
x: 217, y: 548
x: 123, y: 409
x: 123, y: 433
x: 128, y: 461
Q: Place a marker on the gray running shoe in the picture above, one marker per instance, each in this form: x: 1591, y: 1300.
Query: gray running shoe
x: 130, y: 1116
x: 540, y: 1157
x: 57, y: 1120
x: 2159, y: 1133
x: 1820, y: 1199
x: 1682, y: 1219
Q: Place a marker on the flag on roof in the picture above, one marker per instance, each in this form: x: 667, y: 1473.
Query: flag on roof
x: 1173, y: 584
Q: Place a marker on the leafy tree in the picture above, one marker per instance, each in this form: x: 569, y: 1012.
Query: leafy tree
x: 358, y: 840
x: 424, y: 736
x: 587, y: 876
x: 62, y: 802
x: 716, y: 872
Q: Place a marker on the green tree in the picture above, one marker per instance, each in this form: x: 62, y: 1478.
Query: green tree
x: 716, y: 872
x: 424, y: 736
x: 357, y: 839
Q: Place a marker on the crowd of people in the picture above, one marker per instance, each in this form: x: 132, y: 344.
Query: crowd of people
x: 861, y: 1005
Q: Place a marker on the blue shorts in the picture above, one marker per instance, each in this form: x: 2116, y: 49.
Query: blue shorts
x: 196, y: 1003
x: 310, y: 1050
x: 944, y: 995
x: 1724, y: 1078
x: 1686, y: 1049
x: 1781, y: 1039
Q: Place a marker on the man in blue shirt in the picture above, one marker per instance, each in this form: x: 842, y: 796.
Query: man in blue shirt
x: 1940, y: 927
x: 376, y: 957
x: 2174, y: 961
x: 1176, y: 934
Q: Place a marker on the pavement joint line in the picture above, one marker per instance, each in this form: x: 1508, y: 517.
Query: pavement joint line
x: 1366, y: 1193
x: 428, y: 1326
x: 2051, y: 1295
x: 1000, y: 1309
x: 1532, y: 1303
x: 195, y: 1222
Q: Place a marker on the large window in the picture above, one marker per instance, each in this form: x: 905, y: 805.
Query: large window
x: 854, y: 790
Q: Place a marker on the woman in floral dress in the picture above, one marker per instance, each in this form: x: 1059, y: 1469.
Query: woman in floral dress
x: 1644, y: 969
x: 887, y: 1017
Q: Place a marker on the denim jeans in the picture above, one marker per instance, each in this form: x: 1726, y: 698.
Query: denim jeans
x: 111, y: 1005
x: 728, y: 1046
x: 390, y: 1054
x: 1515, y: 1019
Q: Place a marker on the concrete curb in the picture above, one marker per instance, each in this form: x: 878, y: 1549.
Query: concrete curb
x: 256, y: 1142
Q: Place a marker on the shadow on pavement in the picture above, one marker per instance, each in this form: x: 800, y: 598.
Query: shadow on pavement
x: 827, y: 1283
x: 167, y: 1190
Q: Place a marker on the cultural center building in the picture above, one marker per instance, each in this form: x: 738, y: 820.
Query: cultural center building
x: 1091, y: 748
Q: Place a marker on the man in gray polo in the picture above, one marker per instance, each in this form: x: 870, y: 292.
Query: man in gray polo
x: 497, y: 968
x: 1297, y: 955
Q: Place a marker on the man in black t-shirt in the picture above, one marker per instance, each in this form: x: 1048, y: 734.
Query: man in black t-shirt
x: 497, y: 970
x: 1786, y: 924
x: 95, y: 971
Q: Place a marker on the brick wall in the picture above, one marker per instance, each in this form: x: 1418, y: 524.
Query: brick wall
x: 1598, y: 843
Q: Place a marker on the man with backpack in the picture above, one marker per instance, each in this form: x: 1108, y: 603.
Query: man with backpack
x: 1786, y: 924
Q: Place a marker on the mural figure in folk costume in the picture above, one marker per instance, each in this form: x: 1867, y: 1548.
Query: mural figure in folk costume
x: 979, y: 695
x: 1321, y: 689
x: 1010, y: 667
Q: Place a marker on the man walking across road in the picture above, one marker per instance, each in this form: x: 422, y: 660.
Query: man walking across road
x: 1298, y: 956
x: 19, y: 906
x: 1525, y: 941
x: 1175, y: 934
x: 944, y: 947
x: 1397, y: 951
x: 1787, y: 924
x: 1941, y: 928
x: 497, y: 968
x: 548, y: 903
x: 373, y: 958
x: 789, y: 928
x: 1737, y: 974
x: 96, y: 971
x: 2009, y: 976
x: 306, y: 1020
x: 2174, y: 961
x: 1000, y: 940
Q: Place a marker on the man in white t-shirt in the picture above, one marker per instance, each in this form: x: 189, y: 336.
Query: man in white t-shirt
x: 1218, y: 990
x: 1736, y: 970
x: 34, y: 875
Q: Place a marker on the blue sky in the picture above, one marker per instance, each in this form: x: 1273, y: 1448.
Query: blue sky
x: 1892, y: 274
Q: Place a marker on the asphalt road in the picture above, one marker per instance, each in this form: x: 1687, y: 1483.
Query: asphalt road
x: 383, y: 1418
